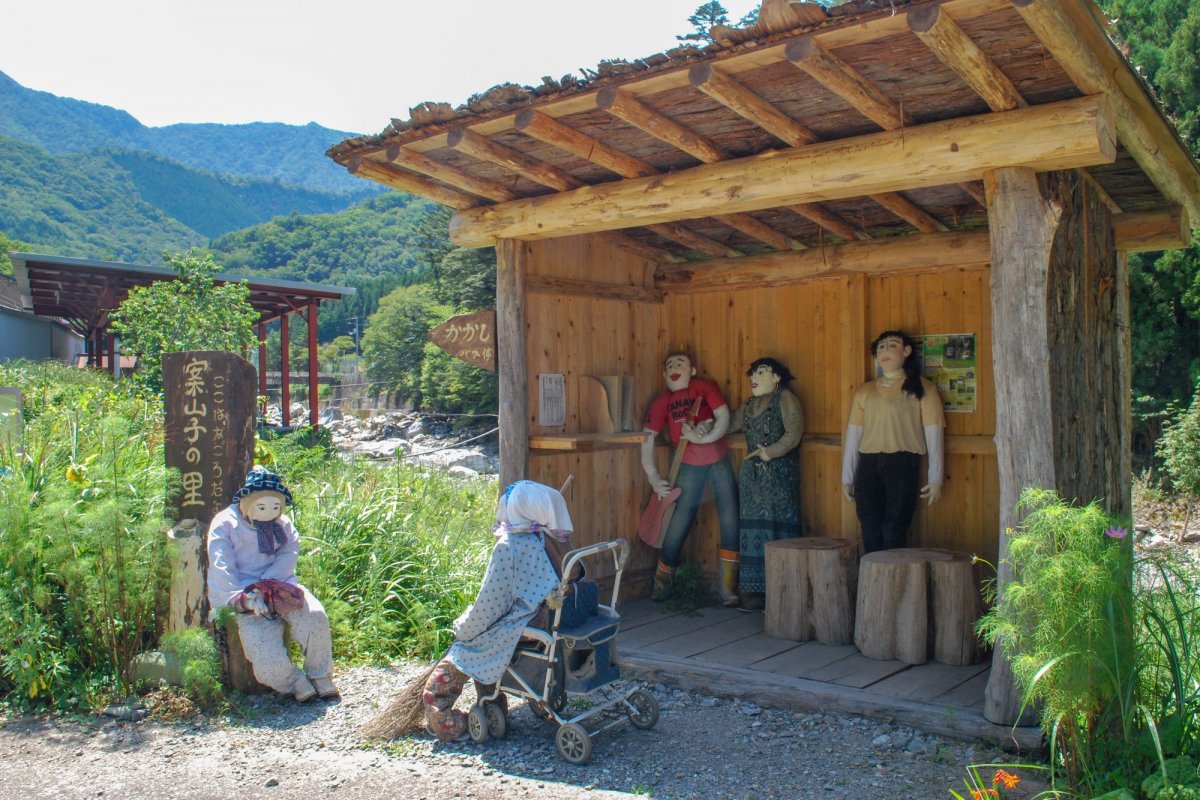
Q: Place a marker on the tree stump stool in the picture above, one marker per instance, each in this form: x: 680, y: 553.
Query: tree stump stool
x: 810, y: 589
x: 917, y: 603
x: 237, y: 669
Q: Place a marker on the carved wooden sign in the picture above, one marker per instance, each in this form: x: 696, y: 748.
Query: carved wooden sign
x: 209, y: 398
x: 471, y: 337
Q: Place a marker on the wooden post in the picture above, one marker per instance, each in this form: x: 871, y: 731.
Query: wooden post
x: 262, y: 359
x: 1060, y: 360
x: 285, y: 372
x: 187, y: 576
x: 113, y: 366
x: 511, y: 260
x: 313, y: 366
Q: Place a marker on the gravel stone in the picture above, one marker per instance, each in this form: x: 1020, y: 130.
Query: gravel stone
x: 703, y: 747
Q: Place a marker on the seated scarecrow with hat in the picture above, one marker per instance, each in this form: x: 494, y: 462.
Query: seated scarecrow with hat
x: 252, y: 551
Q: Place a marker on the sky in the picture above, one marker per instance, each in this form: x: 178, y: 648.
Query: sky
x: 351, y: 66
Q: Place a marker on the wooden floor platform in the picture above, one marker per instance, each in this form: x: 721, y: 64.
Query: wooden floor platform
x: 724, y: 651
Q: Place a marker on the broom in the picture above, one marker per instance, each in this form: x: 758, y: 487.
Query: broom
x: 404, y: 714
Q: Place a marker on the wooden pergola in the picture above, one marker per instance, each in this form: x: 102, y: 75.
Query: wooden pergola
x: 973, y: 166
x: 84, y: 292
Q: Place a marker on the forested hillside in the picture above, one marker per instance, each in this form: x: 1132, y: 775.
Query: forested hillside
x: 294, y: 155
x: 1162, y: 37
x: 130, y: 206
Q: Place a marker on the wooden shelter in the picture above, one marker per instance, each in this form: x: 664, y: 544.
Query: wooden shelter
x: 966, y: 166
x: 84, y: 292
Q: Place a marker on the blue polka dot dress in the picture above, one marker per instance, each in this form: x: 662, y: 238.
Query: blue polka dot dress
x: 519, y: 576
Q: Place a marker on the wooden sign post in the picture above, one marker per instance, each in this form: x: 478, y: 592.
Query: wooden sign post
x: 208, y: 398
x: 471, y: 337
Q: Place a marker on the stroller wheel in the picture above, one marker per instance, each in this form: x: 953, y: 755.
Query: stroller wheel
x: 477, y: 724
x: 574, y: 744
x: 497, y: 725
x: 645, y: 709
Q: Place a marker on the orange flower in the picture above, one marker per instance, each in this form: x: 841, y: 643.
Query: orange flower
x: 1006, y: 779
x: 983, y: 794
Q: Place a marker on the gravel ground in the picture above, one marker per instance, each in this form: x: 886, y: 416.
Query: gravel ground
x: 703, y: 747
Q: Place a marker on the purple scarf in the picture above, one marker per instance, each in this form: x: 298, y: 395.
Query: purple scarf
x: 270, y: 535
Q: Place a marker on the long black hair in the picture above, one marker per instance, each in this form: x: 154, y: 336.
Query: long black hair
x: 912, y: 364
x: 783, y: 373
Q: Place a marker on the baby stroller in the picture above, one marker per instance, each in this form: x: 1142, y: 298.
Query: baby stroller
x: 573, y: 657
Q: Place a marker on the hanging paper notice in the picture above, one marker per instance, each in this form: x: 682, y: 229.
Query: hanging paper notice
x: 948, y: 361
x: 552, y: 400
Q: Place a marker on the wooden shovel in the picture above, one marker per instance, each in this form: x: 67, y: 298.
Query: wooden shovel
x: 656, y: 516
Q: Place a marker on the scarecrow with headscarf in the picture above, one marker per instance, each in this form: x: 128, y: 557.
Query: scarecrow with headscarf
x: 252, y: 551
x: 533, y: 530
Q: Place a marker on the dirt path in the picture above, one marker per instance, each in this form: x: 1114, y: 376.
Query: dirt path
x: 703, y: 747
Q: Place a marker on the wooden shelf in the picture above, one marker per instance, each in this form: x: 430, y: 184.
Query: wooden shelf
x: 584, y: 442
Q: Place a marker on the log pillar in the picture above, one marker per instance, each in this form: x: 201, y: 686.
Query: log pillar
x: 262, y: 359
x: 512, y: 258
x: 1060, y: 359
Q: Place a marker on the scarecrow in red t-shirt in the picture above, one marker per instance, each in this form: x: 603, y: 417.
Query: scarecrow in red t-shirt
x: 705, y: 461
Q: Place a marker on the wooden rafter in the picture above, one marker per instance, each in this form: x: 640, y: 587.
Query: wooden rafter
x: 821, y: 215
x: 1077, y: 39
x: 410, y: 182
x: 954, y: 48
x: 814, y: 58
x: 629, y: 109
x: 1063, y: 135
x: 432, y: 168
x: 528, y: 167
x: 564, y: 137
x: 1152, y: 230
x: 737, y: 98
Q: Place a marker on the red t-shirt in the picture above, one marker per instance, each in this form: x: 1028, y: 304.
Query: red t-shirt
x: 672, y: 409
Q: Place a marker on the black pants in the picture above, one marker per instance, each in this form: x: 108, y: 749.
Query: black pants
x: 886, y: 487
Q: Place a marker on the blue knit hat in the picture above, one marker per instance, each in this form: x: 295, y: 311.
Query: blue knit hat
x: 260, y: 479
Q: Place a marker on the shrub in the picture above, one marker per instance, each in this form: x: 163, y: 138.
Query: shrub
x: 82, y: 503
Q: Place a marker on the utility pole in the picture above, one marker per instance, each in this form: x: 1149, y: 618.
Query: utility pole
x: 356, y: 353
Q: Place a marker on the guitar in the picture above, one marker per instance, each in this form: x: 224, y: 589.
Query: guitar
x: 656, y: 516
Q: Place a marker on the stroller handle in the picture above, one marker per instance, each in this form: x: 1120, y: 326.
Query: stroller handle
x: 573, y: 557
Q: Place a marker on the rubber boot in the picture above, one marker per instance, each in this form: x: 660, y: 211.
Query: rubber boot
x: 729, y: 573
x: 662, y: 582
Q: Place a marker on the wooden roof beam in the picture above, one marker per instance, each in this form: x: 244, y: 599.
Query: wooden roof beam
x: 484, y: 149
x: 1063, y: 135
x: 958, y: 51
x: 408, y: 182
x: 629, y: 109
x: 549, y: 130
x: 1148, y: 231
x: 914, y: 253
x: 821, y: 215
x: 675, y: 232
x: 1076, y: 37
x: 424, y: 165
x: 737, y: 98
x: 909, y: 211
x: 814, y: 58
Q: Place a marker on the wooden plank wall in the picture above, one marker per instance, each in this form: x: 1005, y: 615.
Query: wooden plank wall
x: 820, y: 328
x: 577, y: 335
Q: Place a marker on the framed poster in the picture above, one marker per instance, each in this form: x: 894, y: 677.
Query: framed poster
x: 948, y: 361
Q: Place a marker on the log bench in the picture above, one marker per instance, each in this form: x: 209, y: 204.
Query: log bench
x: 236, y: 669
x: 918, y: 603
x: 810, y: 589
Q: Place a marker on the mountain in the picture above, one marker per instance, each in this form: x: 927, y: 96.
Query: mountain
x: 293, y: 155
x: 130, y: 206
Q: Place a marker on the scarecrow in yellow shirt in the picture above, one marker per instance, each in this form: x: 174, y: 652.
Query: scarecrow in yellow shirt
x: 894, y: 420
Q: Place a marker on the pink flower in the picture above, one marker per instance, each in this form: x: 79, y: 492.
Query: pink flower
x: 1116, y: 532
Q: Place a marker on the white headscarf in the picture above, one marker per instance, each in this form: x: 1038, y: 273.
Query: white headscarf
x: 533, y: 507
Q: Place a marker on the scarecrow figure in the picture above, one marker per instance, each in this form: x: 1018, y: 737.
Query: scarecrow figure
x: 252, y: 551
x: 533, y: 533
x: 894, y: 420
x: 695, y: 411
x: 769, y: 479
